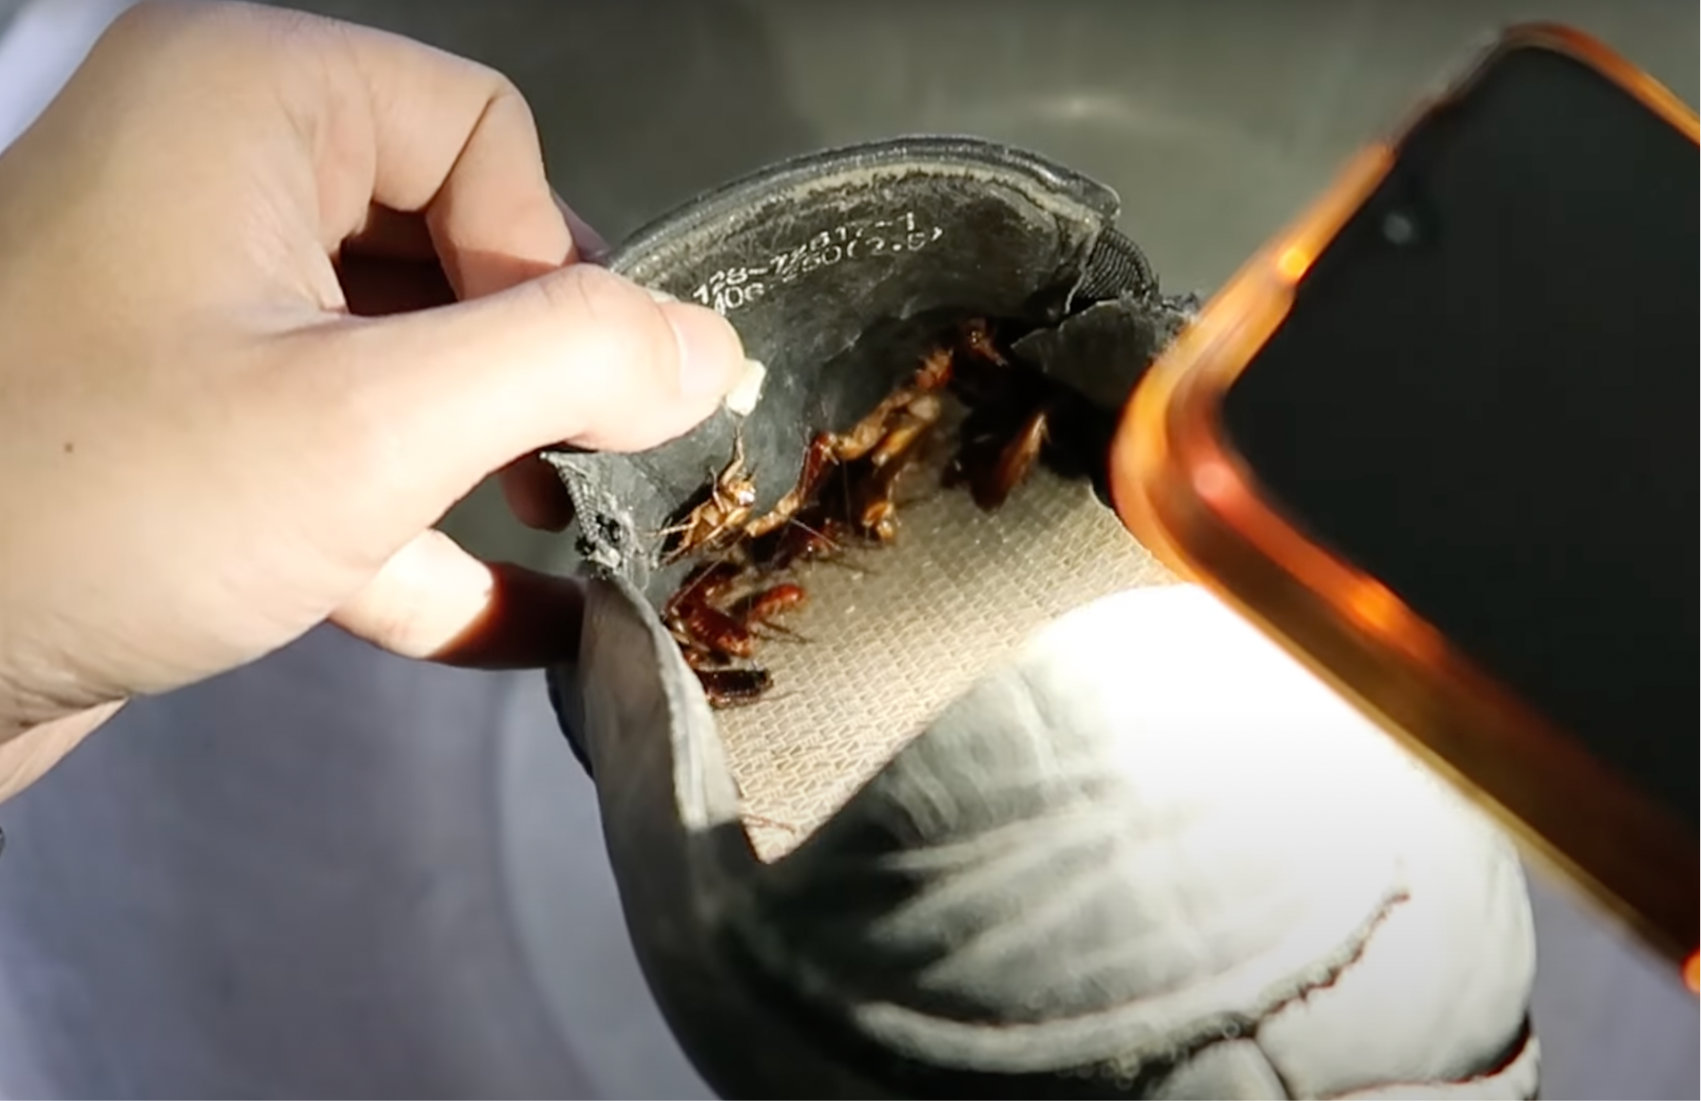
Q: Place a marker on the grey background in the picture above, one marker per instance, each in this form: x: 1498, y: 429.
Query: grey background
x: 336, y: 873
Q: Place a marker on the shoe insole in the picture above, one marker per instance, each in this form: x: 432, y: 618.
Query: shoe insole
x: 890, y: 635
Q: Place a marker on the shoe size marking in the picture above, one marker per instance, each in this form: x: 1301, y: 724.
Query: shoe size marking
x: 736, y: 286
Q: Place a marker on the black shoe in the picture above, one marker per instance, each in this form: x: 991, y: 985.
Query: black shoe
x: 979, y: 849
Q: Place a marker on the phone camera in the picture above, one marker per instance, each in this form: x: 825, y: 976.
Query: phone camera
x: 1399, y: 228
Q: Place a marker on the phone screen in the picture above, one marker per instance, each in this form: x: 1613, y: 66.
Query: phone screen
x: 1486, y: 396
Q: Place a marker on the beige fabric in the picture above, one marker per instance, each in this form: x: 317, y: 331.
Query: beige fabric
x: 890, y: 635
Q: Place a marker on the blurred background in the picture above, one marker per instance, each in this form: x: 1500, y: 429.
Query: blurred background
x: 335, y: 873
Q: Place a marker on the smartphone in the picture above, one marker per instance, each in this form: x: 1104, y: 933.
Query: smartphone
x: 1439, y: 439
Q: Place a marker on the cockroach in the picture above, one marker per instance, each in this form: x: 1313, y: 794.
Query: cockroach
x: 915, y: 399
x: 875, y: 509
x: 760, y: 607
x: 866, y: 434
x: 703, y: 627
x: 699, y: 626
x: 975, y: 338
x: 910, y: 425
x: 734, y: 687
x: 935, y: 371
x: 914, y: 408
x: 846, y: 491
x: 818, y: 460
x: 878, y: 520
x: 992, y: 485
x: 732, y: 498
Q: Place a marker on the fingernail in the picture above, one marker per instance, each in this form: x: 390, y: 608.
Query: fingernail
x: 587, y: 242
x: 747, y: 391
x: 711, y: 357
x: 659, y: 296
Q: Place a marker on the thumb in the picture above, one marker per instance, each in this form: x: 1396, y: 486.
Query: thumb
x: 578, y: 356
x: 433, y: 600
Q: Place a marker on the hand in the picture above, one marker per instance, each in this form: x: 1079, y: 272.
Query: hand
x: 209, y: 443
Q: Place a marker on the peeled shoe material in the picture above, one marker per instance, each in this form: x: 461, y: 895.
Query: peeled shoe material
x: 1022, y: 817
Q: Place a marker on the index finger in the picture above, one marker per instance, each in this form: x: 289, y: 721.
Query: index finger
x: 415, y: 129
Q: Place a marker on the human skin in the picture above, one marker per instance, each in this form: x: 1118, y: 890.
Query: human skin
x: 275, y: 293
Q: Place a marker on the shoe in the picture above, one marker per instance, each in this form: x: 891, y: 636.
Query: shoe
x: 1021, y: 815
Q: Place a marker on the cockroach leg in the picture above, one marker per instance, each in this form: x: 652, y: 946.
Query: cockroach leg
x: 708, y: 582
x: 751, y: 818
x: 799, y: 541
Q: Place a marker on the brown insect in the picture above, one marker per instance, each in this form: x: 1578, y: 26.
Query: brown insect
x: 876, y: 492
x: 818, y: 461
x: 935, y: 370
x: 914, y: 399
x: 991, y: 484
x: 867, y: 433
x: 846, y: 491
x: 704, y: 628
x: 723, y: 685
x: 902, y: 414
x: 1011, y: 414
x: 763, y: 606
x: 910, y: 424
x: 698, y: 626
x: 734, y: 687
x: 879, y: 519
x: 712, y: 637
x: 975, y: 338
x: 720, y: 518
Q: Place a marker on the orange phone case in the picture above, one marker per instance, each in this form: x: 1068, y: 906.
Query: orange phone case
x: 1182, y: 490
